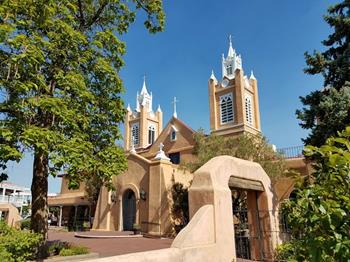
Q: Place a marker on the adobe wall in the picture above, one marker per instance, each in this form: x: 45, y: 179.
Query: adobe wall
x: 209, y: 236
x: 12, y: 217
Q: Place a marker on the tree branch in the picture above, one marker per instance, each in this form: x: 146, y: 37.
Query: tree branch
x: 97, y: 14
x: 82, y: 19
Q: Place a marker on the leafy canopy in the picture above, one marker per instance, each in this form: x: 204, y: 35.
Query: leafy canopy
x: 320, y: 214
x: 320, y: 107
x: 59, y: 81
x: 249, y: 147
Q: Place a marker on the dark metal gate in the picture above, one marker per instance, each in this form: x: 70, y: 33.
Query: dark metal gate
x: 248, y: 235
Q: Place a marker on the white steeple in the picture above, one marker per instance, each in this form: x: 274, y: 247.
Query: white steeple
x: 128, y: 108
x: 159, y: 109
x: 232, y: 62
x: 231, y: 52
x: 144, y: 88
x: 144, y: 98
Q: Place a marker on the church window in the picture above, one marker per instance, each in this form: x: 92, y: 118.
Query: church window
x: 226, y: 108
x: 173, y: 135
x: 248, y: 109
x: 151, y: 134
x: 135, y: 134
x: 229, y: 70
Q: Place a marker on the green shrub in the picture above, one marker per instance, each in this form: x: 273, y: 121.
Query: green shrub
x: 54, y: 248
x: 74, y: 250
x: 18, y: 245
x: 25, y: 224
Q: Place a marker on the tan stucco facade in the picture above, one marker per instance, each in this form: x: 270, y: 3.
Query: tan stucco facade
x: 151, y: 177
x: 142, y: 192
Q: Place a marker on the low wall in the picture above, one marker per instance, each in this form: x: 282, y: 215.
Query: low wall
x: 209, y: 236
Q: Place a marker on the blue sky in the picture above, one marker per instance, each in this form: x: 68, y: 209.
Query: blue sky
x: 271, y: 36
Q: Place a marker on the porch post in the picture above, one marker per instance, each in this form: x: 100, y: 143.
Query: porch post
x: 120, y: 227
x: 60, y: 217
x: 75, y: 217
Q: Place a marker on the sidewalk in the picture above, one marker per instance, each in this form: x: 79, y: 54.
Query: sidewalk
x: 112, y: 246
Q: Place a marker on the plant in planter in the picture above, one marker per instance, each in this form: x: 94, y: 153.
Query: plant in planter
x: 137, y: 229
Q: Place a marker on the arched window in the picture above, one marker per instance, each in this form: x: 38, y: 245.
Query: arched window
x: 226, y: 108
x: 151, y: 134
x: 229, y: 69
x: 248, y: 110
x: 135, y: 134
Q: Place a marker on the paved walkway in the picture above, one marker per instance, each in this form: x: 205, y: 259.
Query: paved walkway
x: 112, y: 246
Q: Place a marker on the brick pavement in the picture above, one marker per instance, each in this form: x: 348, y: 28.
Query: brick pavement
x: 112, y: 246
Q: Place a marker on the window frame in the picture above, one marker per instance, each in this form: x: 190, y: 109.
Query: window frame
x: 135, y: 126
x: 226, y: 107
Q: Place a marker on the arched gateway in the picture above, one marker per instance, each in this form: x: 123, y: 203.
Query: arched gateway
x: 129, y: 209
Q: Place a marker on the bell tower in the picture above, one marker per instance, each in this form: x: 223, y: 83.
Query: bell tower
x: 233, y: 101
x: 142, y: 125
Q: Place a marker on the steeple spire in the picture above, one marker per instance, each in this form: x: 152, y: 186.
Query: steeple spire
x: 230, y: 49
x: 144, y: 88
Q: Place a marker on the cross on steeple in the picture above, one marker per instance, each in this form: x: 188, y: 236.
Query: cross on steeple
x: 174, y: 103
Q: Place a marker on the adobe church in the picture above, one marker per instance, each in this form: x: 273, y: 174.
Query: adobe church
x: 154, y: 152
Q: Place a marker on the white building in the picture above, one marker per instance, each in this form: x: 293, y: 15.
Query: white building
x: 16, y: 195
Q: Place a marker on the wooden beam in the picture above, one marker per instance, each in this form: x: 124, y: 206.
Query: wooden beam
x: 241, y: 183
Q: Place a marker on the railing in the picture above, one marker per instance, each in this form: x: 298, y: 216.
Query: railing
x: 16, y: 200
x: 291, y: 152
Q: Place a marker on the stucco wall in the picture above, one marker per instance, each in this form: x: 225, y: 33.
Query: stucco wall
x: 210, y: 234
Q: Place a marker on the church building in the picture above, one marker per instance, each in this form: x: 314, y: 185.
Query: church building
x: 154, y: 153
x: 143, y: 191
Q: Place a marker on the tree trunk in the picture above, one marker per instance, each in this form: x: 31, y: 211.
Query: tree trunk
x: 39, y: 194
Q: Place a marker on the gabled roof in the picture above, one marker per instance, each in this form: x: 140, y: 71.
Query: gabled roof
x: 184, y: 138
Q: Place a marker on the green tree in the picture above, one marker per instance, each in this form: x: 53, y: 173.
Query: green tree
x: 318, y: 113
x: 60, y: 86
x: 249, y: 147
x: 319, y: 216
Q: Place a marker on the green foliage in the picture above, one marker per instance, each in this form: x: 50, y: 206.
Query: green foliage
x: 73, y: 251
x: 17, y: 245
x: 326, y: 112
x: 61, y: 90
x: 54, y: 248
x: 25, y: 224
x: 249, y: 147
x: 180, y: 208
x: 320, y: 215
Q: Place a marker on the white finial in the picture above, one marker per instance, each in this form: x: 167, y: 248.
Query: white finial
x: 230, y: 49
x: 252, y: 75
x: 133, y: 150
x: 212, y: 76
x: 161, y: 155
x: 174, y: 102
x: 159, y: 109
x: 128, y: 108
